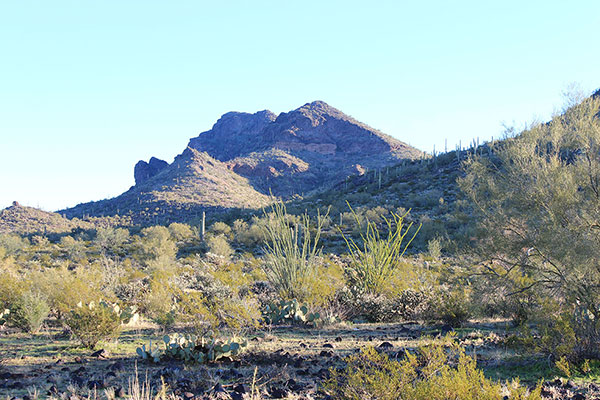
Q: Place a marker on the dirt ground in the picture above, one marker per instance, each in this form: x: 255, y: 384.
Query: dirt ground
x: 284, y: 362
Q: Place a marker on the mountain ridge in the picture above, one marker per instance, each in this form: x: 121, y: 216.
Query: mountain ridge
x: 245, y: 158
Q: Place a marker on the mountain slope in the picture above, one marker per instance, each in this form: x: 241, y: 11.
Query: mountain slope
x: 21, y: 219
x: 193, y: 183
x: 247, y: 157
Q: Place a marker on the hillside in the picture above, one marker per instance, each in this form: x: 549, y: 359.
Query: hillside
x: 21, y: 219
x: 247, y: 157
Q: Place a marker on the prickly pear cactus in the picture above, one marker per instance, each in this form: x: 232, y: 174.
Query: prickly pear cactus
x: 290, y: 311
x: 194, y: 349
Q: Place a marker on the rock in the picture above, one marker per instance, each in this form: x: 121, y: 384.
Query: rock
x: 445, y: 329
x: 278, y: 393
x: 119, y: 391
x: 328, y: 346
x: 102, y: 354
x: 578, y: 396
x: 117, y: 367
x: 145, y: 170
x: 240, y: 388
x: 236, y: 396
x: 386, y: 345
x: 338, y: 339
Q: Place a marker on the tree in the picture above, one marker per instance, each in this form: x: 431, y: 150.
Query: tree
x: 537, y: 202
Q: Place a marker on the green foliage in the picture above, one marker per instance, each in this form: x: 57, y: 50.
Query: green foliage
x: 192, y: 348
x: 537, y: 202
x: 360, y: 305
x: 218, y: 245
x: 181, y: 232
x: 374, y: 261
x: 436, y: 372
x: 111, y: 239
x: 28, y: 312
x: 4, y: 316
x: 289, y: 311
x: 93, y: 322
x: 157, y: 244
x: 221, y: 228
x: 291, y: 252
x: 449, y: 306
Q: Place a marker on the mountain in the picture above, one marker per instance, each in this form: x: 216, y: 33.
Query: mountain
x: 245, y: 158
x: 307, y: 149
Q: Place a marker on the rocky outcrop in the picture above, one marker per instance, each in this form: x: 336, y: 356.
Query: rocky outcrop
x: 234, y: 134
x: 145, y: 170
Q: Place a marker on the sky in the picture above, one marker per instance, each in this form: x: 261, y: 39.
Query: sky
x: 88, y: 88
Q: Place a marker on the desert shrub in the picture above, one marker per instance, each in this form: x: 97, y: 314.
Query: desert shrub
x: 436, y: 372
x: 63, y: 288
x: 157, y: 245
x: 375, y: 258
x: 292, y: 252
x: 75, y: 249
x: 253, y: 234
x: 160, y: 303
x: 536, y: 204
x: 219, y: 246
x: 133, y: 291
x: 4, y: 316
x: 11, y: 288
x: 434, y: 248
x: 381, y: 308
x: 12, y: 243
x: 221, y: 228
x: 181, y: 232
x: 93, y: 322
x: 322, y: 288
x: 450, y: 306
x: 28, y: 312
x: 111, y: 239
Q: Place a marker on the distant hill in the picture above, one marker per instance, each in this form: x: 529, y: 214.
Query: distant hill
x: 29, y: 220
x: 21, y: 219
x: 246, y: 157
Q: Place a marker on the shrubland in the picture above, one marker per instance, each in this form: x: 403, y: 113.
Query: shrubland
x: 507, y: 230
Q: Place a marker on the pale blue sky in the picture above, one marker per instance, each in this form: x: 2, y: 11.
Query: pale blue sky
x: 88, y: 88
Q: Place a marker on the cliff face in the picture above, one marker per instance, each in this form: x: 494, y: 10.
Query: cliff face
x: 246, y: 157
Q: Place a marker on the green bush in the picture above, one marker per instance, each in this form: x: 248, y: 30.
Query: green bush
x: 219, y: 246
x: 449, y: 306
x: 375, y: 258
x: 292, y: 252
x: 381, y: 308
x: 28, y: 312
x: 93, y: 322
x: 437, y: 372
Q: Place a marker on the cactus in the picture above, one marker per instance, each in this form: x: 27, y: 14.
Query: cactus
x: 192, y: 348
x: 289, y: 311
x: 150, y: 354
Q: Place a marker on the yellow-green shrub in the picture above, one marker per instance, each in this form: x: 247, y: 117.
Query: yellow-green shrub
x: 93, y: 322
x: 429, y: 375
